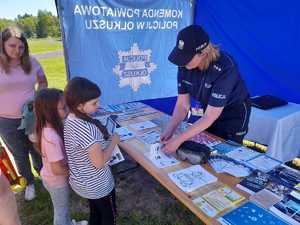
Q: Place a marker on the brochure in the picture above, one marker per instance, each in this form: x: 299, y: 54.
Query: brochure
x: 250, y: 214
x: 191, y: 178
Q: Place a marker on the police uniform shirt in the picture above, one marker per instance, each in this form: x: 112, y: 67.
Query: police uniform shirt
x: 219, y: 86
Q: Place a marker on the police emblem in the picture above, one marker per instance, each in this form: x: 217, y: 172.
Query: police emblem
x: 134, y: 68
x: 180, y: 44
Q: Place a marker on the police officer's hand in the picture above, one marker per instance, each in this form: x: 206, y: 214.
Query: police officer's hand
x: 171, y: 145
x: 165, y: 136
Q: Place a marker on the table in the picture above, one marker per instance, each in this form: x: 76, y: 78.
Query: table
x: 279, y: 128
x: 137, y: 149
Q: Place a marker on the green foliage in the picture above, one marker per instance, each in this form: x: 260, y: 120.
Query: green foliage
x: 43, y: 25
x: 6, y: 23
x: 28, y: 25
x: 47, y: 24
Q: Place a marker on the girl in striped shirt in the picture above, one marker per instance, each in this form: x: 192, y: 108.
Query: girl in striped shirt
x: 88, y: 152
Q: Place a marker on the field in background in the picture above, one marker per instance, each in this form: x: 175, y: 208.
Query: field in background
x: 43, y: 45
x: 54, y: 67
x: 55, y: 71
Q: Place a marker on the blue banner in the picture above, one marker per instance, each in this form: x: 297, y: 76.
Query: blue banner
x: 263, y: 37
x: 123, y: 45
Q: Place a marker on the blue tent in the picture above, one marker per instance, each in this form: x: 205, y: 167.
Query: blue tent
x: 262, y: 36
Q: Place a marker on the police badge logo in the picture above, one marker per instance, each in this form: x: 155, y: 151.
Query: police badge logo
x: 180, y: 44
x: 134, y: 68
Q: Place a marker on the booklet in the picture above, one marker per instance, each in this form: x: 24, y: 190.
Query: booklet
x: 289, y: 208
x: 285, y: 176
x: 263, y: 163
x: 242, y: 154
x: 255, y: 182
x: 250, y: 214
x: 218, y: 200
x: 278, y: 189
x: 265, y: 198
x: 191, y: 178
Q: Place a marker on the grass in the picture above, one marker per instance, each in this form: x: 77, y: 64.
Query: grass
x: 43, y: 45
x: 54, y: 68
x: 55, y: 71
x: 171, y: 212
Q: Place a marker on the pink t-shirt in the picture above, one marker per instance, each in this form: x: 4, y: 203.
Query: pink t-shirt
x: 52, y: 151
x: 16, y: 88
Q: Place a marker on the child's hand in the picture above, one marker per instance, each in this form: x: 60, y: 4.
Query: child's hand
x: 115, y: 139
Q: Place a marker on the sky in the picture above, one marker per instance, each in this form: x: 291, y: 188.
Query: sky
x: 10, y: 9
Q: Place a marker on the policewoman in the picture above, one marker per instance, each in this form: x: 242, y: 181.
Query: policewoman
x: 211, y: 77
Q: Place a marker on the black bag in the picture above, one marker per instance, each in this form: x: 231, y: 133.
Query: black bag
x: 267, y: 102
x: 193, y: 152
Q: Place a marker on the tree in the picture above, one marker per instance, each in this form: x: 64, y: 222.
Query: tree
x: 28, y: 24
x: 47, y: 24
x: 4, y: 23
x: 44, y: 25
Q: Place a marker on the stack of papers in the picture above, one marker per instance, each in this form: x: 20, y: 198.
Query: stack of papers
x: 223, y: 164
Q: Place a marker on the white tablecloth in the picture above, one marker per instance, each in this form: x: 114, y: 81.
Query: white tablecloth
x: 279, y: 128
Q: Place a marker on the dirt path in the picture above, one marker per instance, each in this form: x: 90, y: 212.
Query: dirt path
x: 48, y: 54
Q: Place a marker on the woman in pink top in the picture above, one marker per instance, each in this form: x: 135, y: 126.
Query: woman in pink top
x: 51, y: 110
x: 19, y: 73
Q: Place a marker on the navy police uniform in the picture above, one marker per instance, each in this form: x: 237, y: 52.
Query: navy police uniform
x: 220, y: 86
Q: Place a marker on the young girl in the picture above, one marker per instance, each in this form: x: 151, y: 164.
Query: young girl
x: 88, y: 152
x: 51, y: 110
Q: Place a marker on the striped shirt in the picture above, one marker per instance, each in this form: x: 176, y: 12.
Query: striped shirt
x: 85, y: 179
